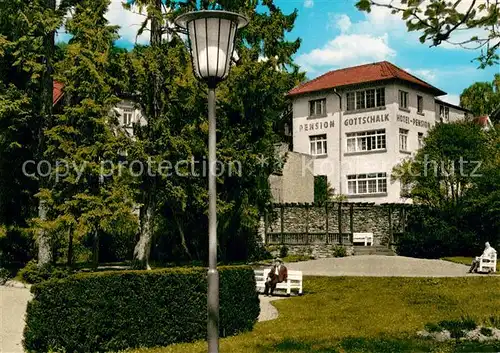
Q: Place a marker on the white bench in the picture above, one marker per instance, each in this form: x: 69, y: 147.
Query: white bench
x: 294, y: 281
x: 362, y: 238
x: 487, y: 264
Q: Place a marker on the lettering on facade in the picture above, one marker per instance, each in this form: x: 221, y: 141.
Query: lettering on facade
x: 319, y: 125
x: 413, y: 121
x: 367, y: 119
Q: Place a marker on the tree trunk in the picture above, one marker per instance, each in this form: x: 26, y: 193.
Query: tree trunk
x: 95, y: 252
x: 44, y: 248
x: 143, y: 246
x: 156, y: 32
x: 183, y: 237
x: 70, y: 248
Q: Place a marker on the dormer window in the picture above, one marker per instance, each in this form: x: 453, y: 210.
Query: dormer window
x: 317, y: 107
x: 367, y: 99
x: 128, y: 116
x: 444, y: 113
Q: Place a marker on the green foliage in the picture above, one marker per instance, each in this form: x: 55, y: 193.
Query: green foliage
x: 456, y: 177
x: 486, y: 331
x: 4, y: 275
x: 283, y: 251
x: 250, y: 103
x: 322, y: 189
x: 482, y: 98
x: 340, y: 251
x: 457, y: 327
x: 432, y: 327
x: 329, y: 318
x: 297, y: 258
x: 16, y: 246
x: 34, y: 274
x: 111, y: 311
x: 494, y: 321
x: 83, y: 201
x: 439, y: 21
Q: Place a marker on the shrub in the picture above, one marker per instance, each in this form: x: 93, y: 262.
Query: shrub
x: 33, y: 274
x: 457, y: 327
x: 494, y: 321
x: 4, y: 275
x: 431, y: 327
x: 16, y: 246
x: 485, y: 331
x: 339, y: 251
x: 112, y: 311
x: 283, y: 251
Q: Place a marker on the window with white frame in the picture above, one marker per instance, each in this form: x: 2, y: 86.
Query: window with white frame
x: 351, y: 101
x: 374, y: 140
x: 380, y: 95
x: 403, y: 99
x: 403, y: 140
x: 444, y: 113
x: 318, y: 145
x: 373, y: 183
x: 420, y: 104
x: 128, y: 116
x: 317, y: 107
x: 369, y: 98
x: 420, y: 140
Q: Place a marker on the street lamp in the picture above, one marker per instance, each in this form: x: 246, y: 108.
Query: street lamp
x: 211, y: 40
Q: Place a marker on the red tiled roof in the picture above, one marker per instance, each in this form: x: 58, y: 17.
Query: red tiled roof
x: 57, y: 92
x: 379, y: 71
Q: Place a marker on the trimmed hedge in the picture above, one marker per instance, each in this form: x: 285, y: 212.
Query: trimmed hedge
x: 112, y: 311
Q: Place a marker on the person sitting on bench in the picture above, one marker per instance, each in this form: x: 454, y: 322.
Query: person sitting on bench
x: 278, y: 274
x: 487, y: 253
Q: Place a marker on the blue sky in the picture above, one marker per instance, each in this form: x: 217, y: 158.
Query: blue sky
x: 336, y: 35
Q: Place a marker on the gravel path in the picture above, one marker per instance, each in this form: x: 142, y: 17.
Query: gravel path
x: 267, y: 310
x: 13, y: 303
x: 380, y: 266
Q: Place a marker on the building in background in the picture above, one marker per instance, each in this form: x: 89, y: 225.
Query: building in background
x: 359, y: 122
x: 126, y: 111
x: 294, y: 182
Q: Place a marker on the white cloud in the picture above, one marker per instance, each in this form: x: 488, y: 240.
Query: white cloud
x: 308, y: 3
x: 348, y: 50
x: 429, y: 75
x: 359, y: 42
x: 342, y: 22
x: 451, y: 98
x: 129, y: 22
x: 380, y: 20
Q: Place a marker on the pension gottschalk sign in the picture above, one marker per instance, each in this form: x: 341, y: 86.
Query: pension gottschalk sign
x: 362, y: 120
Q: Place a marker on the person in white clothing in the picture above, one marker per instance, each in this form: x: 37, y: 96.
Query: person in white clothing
x: 488, y: 252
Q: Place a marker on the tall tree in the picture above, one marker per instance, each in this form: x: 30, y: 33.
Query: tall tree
x: 88, y: 193
x: 446, y: 167
x: 439, y: 21
x: 250, y: 103
x: 482, y: 98
x: 152, y: 106
x: 26, y: 51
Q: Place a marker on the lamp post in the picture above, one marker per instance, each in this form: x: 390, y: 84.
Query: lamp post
x: 211, y: 40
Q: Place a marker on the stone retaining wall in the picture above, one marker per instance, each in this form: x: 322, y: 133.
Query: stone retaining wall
x: 314, y: 251
x: 309, y: 219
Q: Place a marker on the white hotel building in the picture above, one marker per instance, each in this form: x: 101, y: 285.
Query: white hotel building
x: 359, y: 122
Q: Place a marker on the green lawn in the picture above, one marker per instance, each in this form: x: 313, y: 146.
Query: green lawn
x: 463, y: 260
x: 361, y: 314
